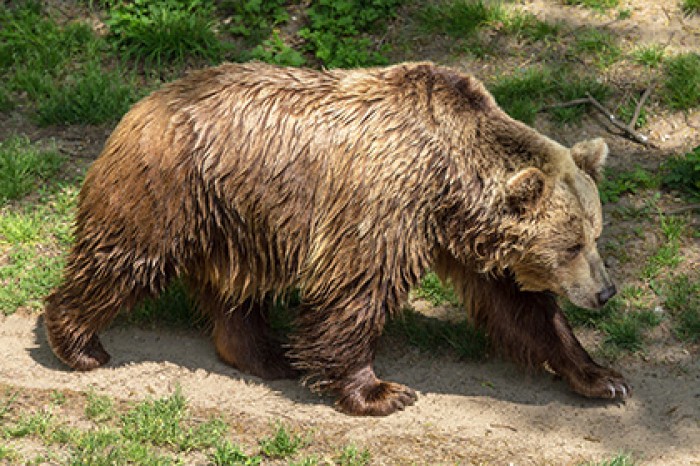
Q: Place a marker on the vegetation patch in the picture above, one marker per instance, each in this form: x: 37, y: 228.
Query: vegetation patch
x: 161, y: 32
x: 23, y: 166
x: 525, y: 93
x: 599, y: 5
x: 337, y: 30
x: 682, y: 81
x: 683, y: 174
x: 618, y: 183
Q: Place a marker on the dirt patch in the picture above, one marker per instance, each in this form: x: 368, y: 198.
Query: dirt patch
x: 467, y: 412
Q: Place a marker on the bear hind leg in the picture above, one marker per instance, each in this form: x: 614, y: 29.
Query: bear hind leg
x: 86, y: 302
x: 243, y: 339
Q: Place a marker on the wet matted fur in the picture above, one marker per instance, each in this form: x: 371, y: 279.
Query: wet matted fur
x: 248, y: 180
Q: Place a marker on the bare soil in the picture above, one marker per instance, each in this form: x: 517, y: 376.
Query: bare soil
x: 490, y: 412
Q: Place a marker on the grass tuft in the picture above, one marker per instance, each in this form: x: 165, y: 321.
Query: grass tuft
x: 690, y: 7
x: 618, y: 183
x: 91, y: 96
x: 430, y: 334
x: 23, y: 165
x: 599, y: 44
x: 226, y: 453
x: 683, y: 174
x: 458, y: 18
x: 598, y: 5
x: 682, y: 81
x: 162, y: 32
x: 282, y: 444
x: 650, y: 55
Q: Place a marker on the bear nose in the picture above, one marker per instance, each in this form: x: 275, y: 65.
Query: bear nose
x: 605, y: 295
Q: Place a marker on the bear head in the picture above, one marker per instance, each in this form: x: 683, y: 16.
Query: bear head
x: 560, y: 215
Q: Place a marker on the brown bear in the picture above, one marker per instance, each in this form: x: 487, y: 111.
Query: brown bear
x: 247, y: 180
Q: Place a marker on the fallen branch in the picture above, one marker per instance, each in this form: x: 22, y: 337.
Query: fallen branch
x: 640, y: 104
x: 628, y: 130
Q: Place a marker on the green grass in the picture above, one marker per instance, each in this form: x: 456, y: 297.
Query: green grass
x: 458, y: 18
x: 601, y: 45
x: 683, y: 174
x: 91, y: 96
x: 620, y: 460
x: 153, y: 431
x: 682, y: 298
x: 667, y: 255
x: 165, y: 32
x: 681, y: 86
x: 650, y: 55
x: 23, y: 166
x: 619, y: 183
x: 98, y: 407
x: 690, y: 7
x: 254, y: 19
x: 599, y: 5
x: 282, y: 444
x: 626, y: 331
x: 337, y: 31
x: 275, y: 50
x: 524, y: 93
x: 434, y: 291
x: 33, y: 237
x: 226, y: 453
x: 431, y: 334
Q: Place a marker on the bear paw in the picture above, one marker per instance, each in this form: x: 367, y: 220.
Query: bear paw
x: 600, y: 382
x: 366, y: 395
x: 82, y: 356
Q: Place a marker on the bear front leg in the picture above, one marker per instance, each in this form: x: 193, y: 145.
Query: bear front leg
x: 335, y: 349
x: 531, y: 329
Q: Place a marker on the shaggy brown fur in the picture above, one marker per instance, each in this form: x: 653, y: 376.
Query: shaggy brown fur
x: 249, y: 180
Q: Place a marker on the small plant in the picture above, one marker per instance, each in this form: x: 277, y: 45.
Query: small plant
x: 91, y: 97
x: 627, y: 109
x: 433, y: 290
x: 352, y: 456
x: 254, y: 19
x: 667, y: 255
x: 650, y: 55
x: 156, y: 420
x: 626, y: 331
x: 98, y: 407
x: 458, y: 18
x: 165, y: 32
x: 431, y: 334
x: 600, y: 44
x: 682, y: 297
x: 528, y: 26
x: 22, y: 165
x: 227, y: 453
x: 619, y: 460
x: 523, y: 94
x: 599, y: 5
x: 337, y: 31
x: 282, y: 444
x: 617, y: 184
x: 683, y: 174
x: 38, y: 423
x: 682, y: 81
x: 275, y: 50
x: 690, y: 7
x: 582, y: 317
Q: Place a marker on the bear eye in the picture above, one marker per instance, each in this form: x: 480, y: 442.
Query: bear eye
x: 574, y: 251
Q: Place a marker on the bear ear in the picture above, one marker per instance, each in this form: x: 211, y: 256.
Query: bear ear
x: 526, y: 189
x: 590, y: 157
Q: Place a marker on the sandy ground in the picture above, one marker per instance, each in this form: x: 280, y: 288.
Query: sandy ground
x: 466, y: 413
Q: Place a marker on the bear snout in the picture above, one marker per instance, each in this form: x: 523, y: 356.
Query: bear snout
x: 605, y: 294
